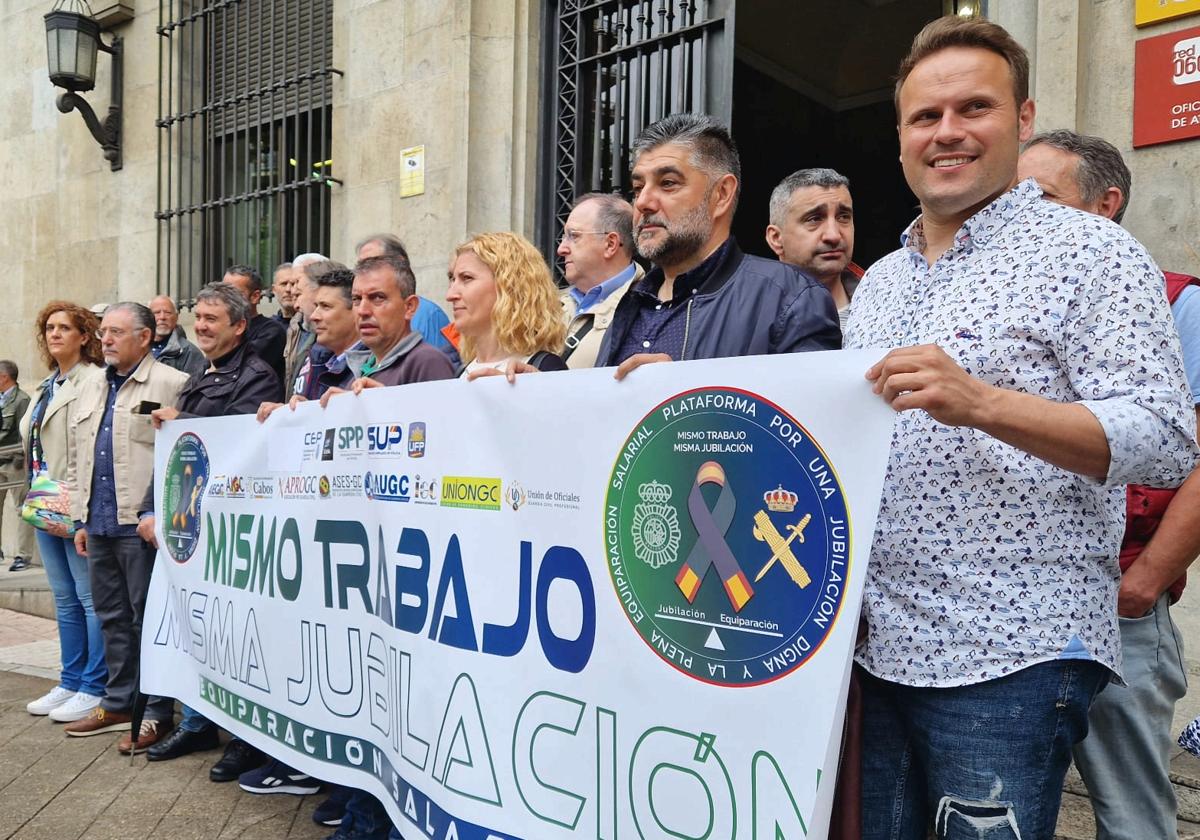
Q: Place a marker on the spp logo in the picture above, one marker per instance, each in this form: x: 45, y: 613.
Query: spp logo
x: 383, y: 440
x: 349, y: 438
x: 387, y: 487
x: 416, y: 440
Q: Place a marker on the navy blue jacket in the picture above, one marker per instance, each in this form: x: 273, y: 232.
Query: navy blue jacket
x: 749, y: 306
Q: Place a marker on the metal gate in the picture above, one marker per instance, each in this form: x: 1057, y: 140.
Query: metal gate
x: 244, y: 136
x: 614, y: 67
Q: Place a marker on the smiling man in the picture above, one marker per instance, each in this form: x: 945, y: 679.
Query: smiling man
x: 704, y: 298
x: 1027, y: 403
x: 812, y: 227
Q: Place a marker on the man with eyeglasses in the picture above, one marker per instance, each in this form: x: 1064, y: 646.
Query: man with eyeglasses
x: 597, y: 253
x: 110, y: 466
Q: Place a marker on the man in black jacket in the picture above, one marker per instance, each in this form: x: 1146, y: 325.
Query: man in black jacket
x: 266, y: 335
x: 237, y: 381
x: 703, y: 298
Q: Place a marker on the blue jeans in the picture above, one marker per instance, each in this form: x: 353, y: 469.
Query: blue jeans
x: 365, y: 817
x: 192, y: 721
x: 973, y: 762
x: 79, y: 635
x: 1125, y: 759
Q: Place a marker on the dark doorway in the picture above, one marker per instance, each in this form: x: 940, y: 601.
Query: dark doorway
x: 812, y: 86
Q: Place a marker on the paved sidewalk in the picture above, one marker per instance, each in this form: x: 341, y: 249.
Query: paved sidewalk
x: 53, y: 787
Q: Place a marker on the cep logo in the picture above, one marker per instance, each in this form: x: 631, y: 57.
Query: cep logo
x: 416, y: 440
x: 470, y: 492
x: 386, y: 487
x: 384, y: 438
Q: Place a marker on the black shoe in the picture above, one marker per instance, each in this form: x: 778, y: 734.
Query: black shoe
x: 181, y: 742
x: 239, y: 757
x: 19, y: 564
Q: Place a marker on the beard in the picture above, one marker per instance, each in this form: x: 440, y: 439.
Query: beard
x: 681, y: 239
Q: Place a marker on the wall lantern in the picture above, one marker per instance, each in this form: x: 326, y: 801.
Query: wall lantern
x: 965, y: 8
x: 72, y: 41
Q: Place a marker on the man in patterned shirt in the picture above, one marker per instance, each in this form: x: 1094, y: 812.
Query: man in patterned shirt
x: 1038, y: 373
x: 1125, y: 759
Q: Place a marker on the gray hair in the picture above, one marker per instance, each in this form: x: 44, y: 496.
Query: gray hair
x: 781, y: 196
x: 391, y: 245
x: 406, y: 281
x: 168, y: 299
x: 305, y: 259
x: 1100, y: 164
x: 314, y: 270
x: 236, y: 306
x: 709, y: 139
x: 613, y: 214
x: 9, y: 368
x: 283, y: 266
x: 143, y: 318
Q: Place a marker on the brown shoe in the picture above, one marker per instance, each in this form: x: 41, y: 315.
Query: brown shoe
x: 148, y: 735
x: 97, y: 722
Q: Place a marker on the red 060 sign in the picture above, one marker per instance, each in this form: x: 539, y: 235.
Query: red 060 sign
x: 1166, y: 93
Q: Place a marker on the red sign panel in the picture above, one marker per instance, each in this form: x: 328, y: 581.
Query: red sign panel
x: 1166, y: 88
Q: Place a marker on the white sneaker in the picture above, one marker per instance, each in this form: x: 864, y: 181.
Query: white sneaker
x: 77, y: 708
x: 49, y: 701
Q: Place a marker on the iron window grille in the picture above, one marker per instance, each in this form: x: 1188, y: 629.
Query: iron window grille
x: 244, y: 136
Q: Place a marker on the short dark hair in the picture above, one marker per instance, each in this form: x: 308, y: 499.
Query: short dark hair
x: 781, y: 196
x: 9, y: 367
x: 398, y: 265
x: 614, y: 214
x: 236, y: 306
x: 391, y: 244
x: 712, y: 145
x: 314, y: 271
x: 250, y: 272
x: 143, y: 318
x: 1100, y: 164
x: 338, y: 278
x: 954, y: 31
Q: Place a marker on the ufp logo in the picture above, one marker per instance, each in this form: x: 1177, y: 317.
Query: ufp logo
x: 383, y: 438
x: 416, y: 440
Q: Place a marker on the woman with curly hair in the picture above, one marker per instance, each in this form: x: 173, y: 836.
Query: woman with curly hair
x: 505, y: 306
x: 66, y: 337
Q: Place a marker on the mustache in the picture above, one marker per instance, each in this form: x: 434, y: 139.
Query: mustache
x: 651, y: 220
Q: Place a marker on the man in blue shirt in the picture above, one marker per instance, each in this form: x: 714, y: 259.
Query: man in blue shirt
x: 1125, y: 759
x: 597, y: 253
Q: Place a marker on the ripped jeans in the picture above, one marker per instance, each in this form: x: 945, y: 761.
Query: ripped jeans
x: 973, y: 762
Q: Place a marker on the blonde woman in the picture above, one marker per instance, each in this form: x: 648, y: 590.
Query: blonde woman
x: 505, y: 307
x: 66, y: 337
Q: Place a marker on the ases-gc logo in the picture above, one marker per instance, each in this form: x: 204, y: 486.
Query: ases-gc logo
x: 183, y: 495
x: 727, y: 537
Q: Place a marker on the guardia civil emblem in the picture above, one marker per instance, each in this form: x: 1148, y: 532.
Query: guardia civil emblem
x: 728, y: 537
x: 655, y: 528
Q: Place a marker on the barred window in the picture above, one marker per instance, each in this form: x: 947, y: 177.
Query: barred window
x: 244, y: 136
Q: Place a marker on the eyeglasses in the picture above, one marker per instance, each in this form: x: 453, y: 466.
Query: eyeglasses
x: 572, y: 236
x: 115, y: 332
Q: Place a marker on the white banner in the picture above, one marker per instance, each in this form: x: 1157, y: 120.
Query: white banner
x: 564, y: 608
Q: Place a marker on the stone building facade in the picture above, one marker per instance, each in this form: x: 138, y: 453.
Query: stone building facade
x: 474, y: 82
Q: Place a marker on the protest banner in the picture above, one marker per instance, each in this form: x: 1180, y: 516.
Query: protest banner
x: 566, y: 607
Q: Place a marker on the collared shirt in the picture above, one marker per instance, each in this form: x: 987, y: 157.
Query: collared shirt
x: 662, y: 326
x: 102, y: 504
x: 5, y: 396
x: 987, y: 560
x: 586, y: 300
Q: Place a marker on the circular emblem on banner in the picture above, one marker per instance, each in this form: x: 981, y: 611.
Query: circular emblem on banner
x: 183, y: 493
x: 727, y: 536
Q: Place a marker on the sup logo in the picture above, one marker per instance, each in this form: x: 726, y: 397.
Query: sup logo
x: 727, y: 536
x: 183, y: 493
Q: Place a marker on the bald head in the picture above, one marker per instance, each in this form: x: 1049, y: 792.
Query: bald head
x: 166, y: 316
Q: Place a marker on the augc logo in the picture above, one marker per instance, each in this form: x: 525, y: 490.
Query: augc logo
x: 386, y: 487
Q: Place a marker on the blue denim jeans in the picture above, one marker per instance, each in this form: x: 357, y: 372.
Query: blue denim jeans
x: 973, y: 762
x: 192, y: 721
x: 79, y: 636
x: 365, y: 818
x: 1125, y: 759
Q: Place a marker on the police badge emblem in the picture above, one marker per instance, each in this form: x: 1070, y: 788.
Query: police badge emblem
x: 655, y: 528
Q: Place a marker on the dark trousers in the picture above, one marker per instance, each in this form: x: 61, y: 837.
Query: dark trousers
x: 120, y: 570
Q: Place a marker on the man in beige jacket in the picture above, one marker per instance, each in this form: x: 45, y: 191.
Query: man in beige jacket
x: 111, y: 463
x: 597, y: 252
